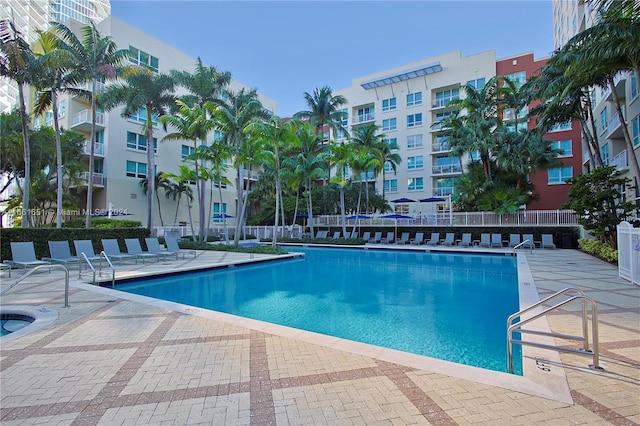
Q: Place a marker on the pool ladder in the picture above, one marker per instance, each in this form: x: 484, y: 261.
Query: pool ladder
x: 38, y: 267
x: 104, y: 256
x: 578, y: 296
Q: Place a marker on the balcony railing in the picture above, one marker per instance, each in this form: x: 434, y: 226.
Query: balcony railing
x: 441, y: 103
x: 450, y: 168
x: 83, y: 178
x: 440, y: 147
x: 620, y: 161
x: 88, y: 86
x: 97, y: 150
x: 84, y: 117
x: 443, y: 191
x: 363, y: 118
x: 614, y: 122
x: 250, y: 174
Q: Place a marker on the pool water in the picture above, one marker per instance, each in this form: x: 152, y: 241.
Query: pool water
x: 11, y: 323
x: 451, y: 306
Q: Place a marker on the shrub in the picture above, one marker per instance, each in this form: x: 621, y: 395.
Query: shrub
x: 599, y: 249
x: 261, y: 249
x: 102, y: 223
x: 338, y: 242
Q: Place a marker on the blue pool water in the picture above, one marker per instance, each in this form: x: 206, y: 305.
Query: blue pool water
x: 443, y: 305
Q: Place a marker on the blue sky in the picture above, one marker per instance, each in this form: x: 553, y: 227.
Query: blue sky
x: 286, y: 48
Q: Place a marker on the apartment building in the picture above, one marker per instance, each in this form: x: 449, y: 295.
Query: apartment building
x: 120, y: 146
x: 407, y: 103
x: 569, y: 18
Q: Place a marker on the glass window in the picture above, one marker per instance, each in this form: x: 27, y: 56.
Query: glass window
x: 414, y: 141
x: 443, y: 97
x: 389, y: 124
x: 187, y: 150
x: 48, y: 118
x: 518, y: 78
x: 634, y: 86
x: 565, y: 146
x: 365, y: 114
x: 605, y: 154
x: 217, y: 213
x: 391, y: 185
x: 560, y: 175
x: 635, y: 130
x: 138, y: 57
x: 139, y: 142
x: 141, y: 117
x: 414, y: 120
x: 137, y: 170
x: 415, y: 184
x: 62, y: 109
x: 416, y: 162
x: 388, y: 167
x: 561, y: 127
x: 389, y: 104
x: 477, y: 84
x: 414, y: 99
x: 392, y: 143
x: 604, y: 120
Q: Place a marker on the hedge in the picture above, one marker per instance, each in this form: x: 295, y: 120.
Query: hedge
x: 41, y: 237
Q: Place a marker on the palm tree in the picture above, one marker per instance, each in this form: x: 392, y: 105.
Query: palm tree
x: 181, y: 187
x: 143, y: 89
x: 367, y: 138
x: 205, y: 84
x: 233, y: 117
x: 191, y: 124
x: 17, y: 63
x: 160, y: 181
x: 361, y: 162
x: 97, y: 59
x: 341, y: 153
x: 57, y: 76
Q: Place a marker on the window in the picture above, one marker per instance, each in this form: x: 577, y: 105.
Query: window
x: 416, y: 162
x: 561, y: 127
x: 604, y: 121
x: 220, y: 184
x: 445, y: 96
x: 477, y: 84
x: 344, y: 122
x: 415, y: 184
x: 517, y: 78
x: 365, y: 114
x: 633, y: 86
x: 48, y: 118
x: 139, y: 142
x: 136, y: 170
x: 186, y: 151
x: 565, y: 146
x: 635, y: 130
x: 445, y: 186
x: 414, y: 120
x: 605, y: 154
x: 414, y: 99
x: 138, y: 57
x: 389, y: 104
x: 510, y: 113
x: 391, y: 185
x: 414, y: 141
x: 62, y: 109
x: 392, y: 143
x: 389, y: 124
x: 560, y: 175
x: 441, y: 143
x: 141, y: 117
x: 217, y: 213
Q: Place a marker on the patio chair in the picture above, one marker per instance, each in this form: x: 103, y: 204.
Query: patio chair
x: 449, y: 239
x: 528, y: 242
x: 112, y: 250
x: 485, y: 240
x: 547, y: 241
x: 465, y: 241
x: 336, y: 235
x: 23, y: 255
x: 435, y: 239
x: 391, y: 237
x: 153, y: 246
x: 172, y: 245
x: 514, y: 240
x: 496, y: 240
x: 354, y: 234
x: 86, y: 247
x: 60, y: 252
x: 134, y: 248
x: 322, y: 234
x: 377, y: 237
x: 366, y: 236
x: 404, y: 239
x: 418, y: 239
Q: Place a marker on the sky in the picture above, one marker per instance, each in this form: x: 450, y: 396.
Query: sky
x: 287, y: 48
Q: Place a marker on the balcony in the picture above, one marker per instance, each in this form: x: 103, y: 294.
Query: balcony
x: 442, y: 103
x: 614, y: 129
x: 443, y: 191
x: 363, y: 118
x: 82, y: 180
x: 438, y: 147
x: 82, y: 121
x: 87, y: 87
x: 250, y: 175
x: 98, y: 149
x: 620, y: 161
x: 446, y: 169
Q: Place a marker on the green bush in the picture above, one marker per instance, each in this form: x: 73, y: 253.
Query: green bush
x: 338, y: 242
x: 599, y: 249
x: 261, y: 249
x: 41, y: 236
x: 102, y: 223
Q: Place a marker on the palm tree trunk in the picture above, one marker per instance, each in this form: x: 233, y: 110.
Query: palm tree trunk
x: 56, y: 126
x: 310, y: 208
x: 274, y: 239
x: 342, y: 212
x: 625, y: 131
x: 151, y: 173
x: 239, y: 205
x: 159, y: 209
x: 223, y: 213
x: 189, y: 212
x: 210, y: 215
x: 92, y: 154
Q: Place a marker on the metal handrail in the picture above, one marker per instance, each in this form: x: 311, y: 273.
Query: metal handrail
x: 517, y: 246
x: 102, y: 255
x: 585, y: 322
x: 31, y: 271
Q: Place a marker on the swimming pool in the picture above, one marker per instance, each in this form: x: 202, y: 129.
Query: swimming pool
x: 450, y: 306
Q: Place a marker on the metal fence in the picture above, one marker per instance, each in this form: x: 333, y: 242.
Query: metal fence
x: 629, y: 252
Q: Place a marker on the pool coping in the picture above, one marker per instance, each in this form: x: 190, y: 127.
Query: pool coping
x: 543, y: 374
x: 42, y: 317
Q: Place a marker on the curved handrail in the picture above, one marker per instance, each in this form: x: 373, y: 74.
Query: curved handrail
x: 32, y: 270
x: 102, y: 255
x: 517, y: 246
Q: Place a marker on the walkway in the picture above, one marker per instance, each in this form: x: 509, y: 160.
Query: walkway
x: 111, y: 360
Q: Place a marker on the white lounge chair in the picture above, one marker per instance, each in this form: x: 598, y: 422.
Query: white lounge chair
x: 465, y: 241
x: 112, y: 250
x: 547, y: 241
x: 153, y: 246
x: 172, y: 245
x: 418, y: 239
x: 449, y: 240
x: 496, y: 240
x: 434, y: 240
x: 134, y: 248
x: 60, y: 252
x: 23, y: 255
x: 404, y: 239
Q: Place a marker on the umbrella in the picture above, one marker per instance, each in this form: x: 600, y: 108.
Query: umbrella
x: 302, y: 215
x: 441, y: 200
x: 221, y: 216
x: 396, y: 216
x: 360, y: 216
x: 403, y: 200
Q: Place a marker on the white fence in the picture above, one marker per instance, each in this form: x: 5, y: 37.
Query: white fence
x: 629, y: 252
